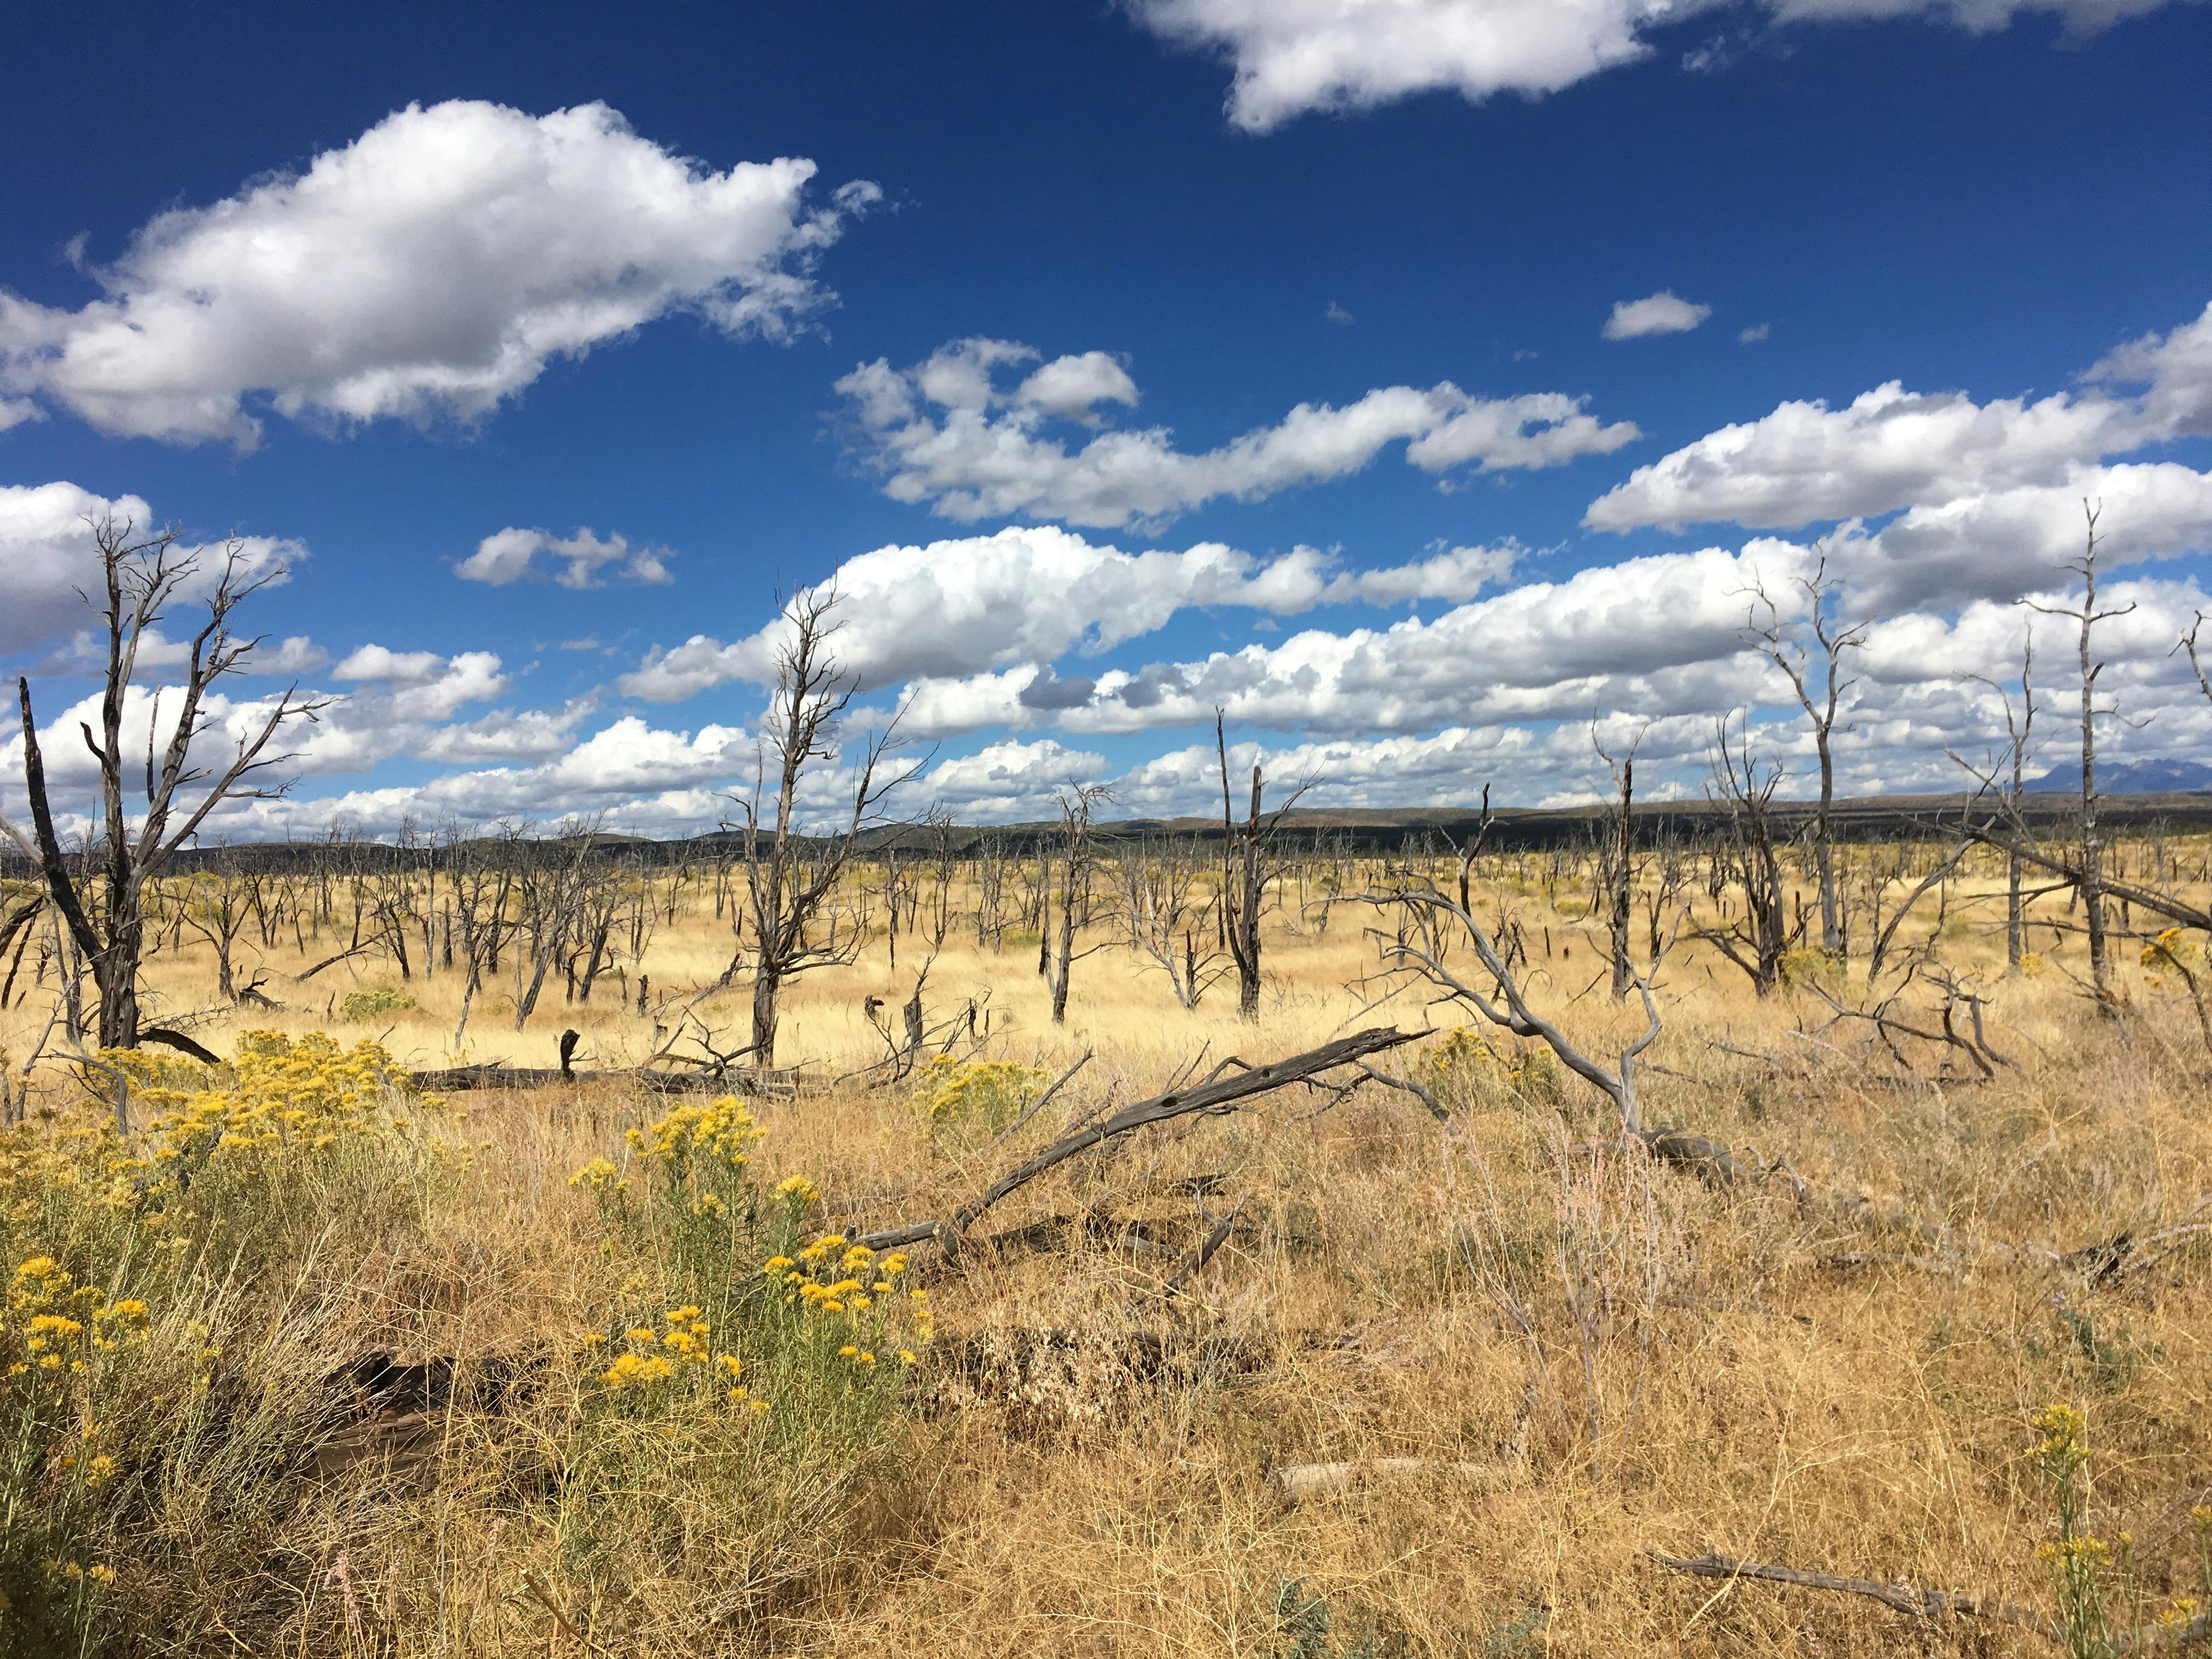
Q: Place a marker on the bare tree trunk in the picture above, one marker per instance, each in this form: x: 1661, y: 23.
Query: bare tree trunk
x: 1624, y: 971
x: 2090, y: 882
x: 1834, y: 637
x: 1247, y: 866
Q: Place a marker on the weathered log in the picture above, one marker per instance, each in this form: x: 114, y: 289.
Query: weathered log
x: 1899, y: 1595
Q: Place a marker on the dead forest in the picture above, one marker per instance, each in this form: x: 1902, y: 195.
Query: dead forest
x: 1771, y: 1223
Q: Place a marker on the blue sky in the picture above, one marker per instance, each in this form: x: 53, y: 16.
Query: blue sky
x: 427, y: 283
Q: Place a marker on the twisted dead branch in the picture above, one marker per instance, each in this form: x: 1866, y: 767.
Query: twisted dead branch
x: 1221, y: 1091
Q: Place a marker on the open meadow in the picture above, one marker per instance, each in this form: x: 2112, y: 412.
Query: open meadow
x: 327, y: 1366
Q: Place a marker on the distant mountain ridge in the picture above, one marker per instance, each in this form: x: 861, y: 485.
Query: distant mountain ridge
x: 2145, y: 777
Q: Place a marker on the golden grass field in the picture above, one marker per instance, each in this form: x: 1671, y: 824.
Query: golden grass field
x: 1584, y: 1358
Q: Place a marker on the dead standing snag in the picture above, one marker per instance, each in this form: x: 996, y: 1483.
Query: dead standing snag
x: 106, y: 918
x: 788, y: 879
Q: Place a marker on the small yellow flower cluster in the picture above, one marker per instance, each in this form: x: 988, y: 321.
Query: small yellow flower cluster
x: 35, y: 1171
x: 838, y: 1279
x: 601, y: 1178
x: 77, y: 1572
x: 2172, y: 944
x: 797, y: 1188
x: 2065, y: 1434
x: 717, y: 1133
x: 685, y: 1351
x: 1463, y: 1057
x: 2088, y: 1551
x: 988, y: 1092
x: 46, y: 1300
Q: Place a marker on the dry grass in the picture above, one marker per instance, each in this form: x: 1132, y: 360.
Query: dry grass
x: 1631, y: 1362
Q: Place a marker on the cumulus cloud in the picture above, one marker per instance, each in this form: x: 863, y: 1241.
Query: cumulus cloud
x: 429, y: 269
x: 1886, y: 449
x: 1935, y: 453
x: 1663, y: 313
x: 1540, y: 651
x: 423, y: 685
x: 2007, y: 543
x: 947, y: 434
x: 582, y: 559
x: 1011, y: 780
x: 1293, y: 56
x: 48, y: 561
x: 1029, y: 595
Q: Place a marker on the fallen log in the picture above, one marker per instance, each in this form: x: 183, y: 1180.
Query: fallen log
x: 1219, y: 1093
x: 1899, y: 1595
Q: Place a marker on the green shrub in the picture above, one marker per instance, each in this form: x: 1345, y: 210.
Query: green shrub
x: 375, y: 1001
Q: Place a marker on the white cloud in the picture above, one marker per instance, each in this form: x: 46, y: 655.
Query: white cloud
x: 377, y: 662
x: 1028, y: 595
x: 295, y: 653
x: 584, y: 560
x: 431, y: 268
x: 944, y: 433
x: 1456, y: 574
x: 2006, y: 542
x: 46, y: 558
x: 1069, y: 388
x: 426, y: 686
x: 1888, y: 448
x: 1663, y: 313
x: 1293, y: 56
x: 1011, y: 780
x: 1754, y: 334
x: 2175, y: 373
x: 1337, y: 314
x: 1659, y: 634
x: 1936, y: 454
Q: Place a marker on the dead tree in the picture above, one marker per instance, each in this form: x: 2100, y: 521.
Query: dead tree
x: 214, y: 905
x: 2090, y: 884
x: 1616, y: 864
x: 1746, y: 857
x: 105, y: 910
x: 1079, y: 859
x: 2019, y: 723
x: 1217, y: 1094
x: 1817, y: 678
x: 788, y: 876
x: 1163, y: 917
x: 990, y: 891
x: 480, y: 885
x: 1936, y: 878
x: 932, y: 924
x: 552, y: 891
x: 1248, y: 866
x: 1432, y: 925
